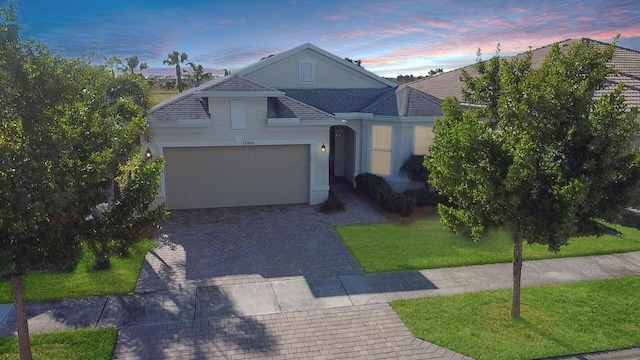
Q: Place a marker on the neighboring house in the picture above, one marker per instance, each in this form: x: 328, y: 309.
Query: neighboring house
x: 625, y: 61
x: 276, y: 131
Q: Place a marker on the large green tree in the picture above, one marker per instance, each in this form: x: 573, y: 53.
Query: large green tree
x: 544, y: 157
x: 176, y: 58
x: 66, y: 127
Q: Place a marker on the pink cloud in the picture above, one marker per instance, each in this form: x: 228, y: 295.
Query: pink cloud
x: 336, y: 17
x: 352, y: 33
x: 515, y: 9
x: 405, y: 30
x: 438, y: 24
x: 223, y: 21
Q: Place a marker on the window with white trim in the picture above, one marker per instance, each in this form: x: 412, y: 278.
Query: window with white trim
x: 237, y: 114
x: 422, y: 140
x: 307, y: 70
x: 381, y: 138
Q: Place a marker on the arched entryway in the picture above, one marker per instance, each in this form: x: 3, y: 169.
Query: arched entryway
x: 342, y: 156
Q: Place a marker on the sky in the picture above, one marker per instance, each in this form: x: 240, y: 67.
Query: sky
x: 391, y: 37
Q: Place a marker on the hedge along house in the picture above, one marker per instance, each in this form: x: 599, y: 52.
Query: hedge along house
x: 276, y: 131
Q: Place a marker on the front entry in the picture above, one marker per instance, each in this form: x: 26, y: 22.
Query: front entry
x: 342, y: 156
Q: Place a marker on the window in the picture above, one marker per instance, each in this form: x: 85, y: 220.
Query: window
x: 237, y: 114
x: 307, y: 70
x: 381, y: 149
x: 422, y: 140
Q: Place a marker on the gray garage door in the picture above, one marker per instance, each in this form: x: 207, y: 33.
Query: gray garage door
x: 205, y: 177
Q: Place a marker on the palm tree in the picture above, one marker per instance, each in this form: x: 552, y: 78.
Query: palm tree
x: 132, y: 63
x: 175, y: 58
x: 198, y: 75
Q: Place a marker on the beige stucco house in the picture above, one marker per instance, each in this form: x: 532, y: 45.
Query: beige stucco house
x: 276, y: 131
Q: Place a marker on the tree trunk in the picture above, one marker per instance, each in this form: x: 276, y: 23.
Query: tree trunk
x: 17, y: 285
x: 517, y: 273
x: 178, y: 78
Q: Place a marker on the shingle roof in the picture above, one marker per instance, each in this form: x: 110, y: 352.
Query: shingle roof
x: 625, y: 61
x: 406, y: 101
x: 338, y: 100
x: 286, y: 107
x: 186, y: 105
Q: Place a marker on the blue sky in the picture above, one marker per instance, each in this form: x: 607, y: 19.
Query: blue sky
x: 391, y: 37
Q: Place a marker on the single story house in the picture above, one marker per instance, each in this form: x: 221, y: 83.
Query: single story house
x: 275, y: 132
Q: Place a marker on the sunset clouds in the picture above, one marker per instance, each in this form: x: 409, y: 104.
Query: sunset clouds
x: 390, y: 36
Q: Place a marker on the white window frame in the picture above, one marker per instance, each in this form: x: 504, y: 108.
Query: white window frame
x: 237, y: 110
x: 381, y: 149
x: 310, y: 64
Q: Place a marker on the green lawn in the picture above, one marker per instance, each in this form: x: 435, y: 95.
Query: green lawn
x: 556, y: 320
x: 84, y: 281
x: 159, y: 96
x: 425, y: 244
x: 65, y: 345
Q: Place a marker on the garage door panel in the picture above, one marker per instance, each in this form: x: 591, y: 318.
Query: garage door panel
x: 236, y: 176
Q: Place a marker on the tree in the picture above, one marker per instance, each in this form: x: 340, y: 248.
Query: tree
x: 65, y: 130
x: 356, y: 62
x: 175, y: 58
x: 114, y: 228
x: 543, y: 158
x: 197, y: 74
x: 113, y: 63
x: 435, y: 72
x: 132, y: 63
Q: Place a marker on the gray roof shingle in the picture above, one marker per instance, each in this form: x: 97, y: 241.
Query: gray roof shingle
x: 625, y: 61
x: 405, y: 101
x: 186, y: 105
x: 286, y: 107
x: 338, y: 100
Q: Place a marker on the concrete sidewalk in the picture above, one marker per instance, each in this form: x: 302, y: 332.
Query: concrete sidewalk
x: 274, y: 296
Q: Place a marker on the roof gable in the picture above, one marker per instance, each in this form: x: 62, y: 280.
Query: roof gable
x: 405, y: 101
x: 187, y: 104
x: 272, y: 61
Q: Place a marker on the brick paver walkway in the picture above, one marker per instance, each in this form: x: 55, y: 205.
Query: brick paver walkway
x: 357, y: 332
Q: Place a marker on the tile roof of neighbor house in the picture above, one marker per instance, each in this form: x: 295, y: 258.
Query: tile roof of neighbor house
x: 286, y: 107
x: 625, y: 61
x: 405, y: 101
x: 186, y: 105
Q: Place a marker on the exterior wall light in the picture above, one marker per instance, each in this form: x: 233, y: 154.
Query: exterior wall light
x: 323, y: 148
x: 148, y: 154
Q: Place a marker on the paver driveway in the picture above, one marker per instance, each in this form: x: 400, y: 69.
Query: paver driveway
x: 251, y: 244
x: 220, y: 262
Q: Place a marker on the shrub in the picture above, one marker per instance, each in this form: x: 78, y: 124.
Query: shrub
x: 377, y: 188
x: 413, y: 168
x: 371, y: 184
x: 398, y: 203
x: 332, y: 204
x: 425, y: 197
x: 422, y: 196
